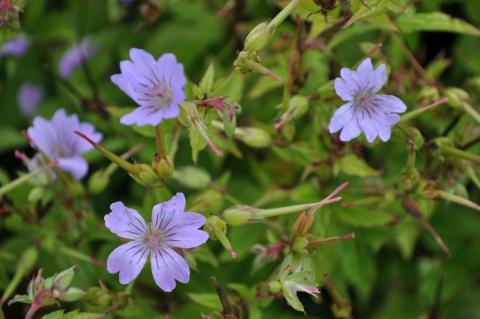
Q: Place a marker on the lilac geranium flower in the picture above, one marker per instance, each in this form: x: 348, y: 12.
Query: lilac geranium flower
x: 171, y: 228
x: 29, y: 97
x: 16, y: 47
x: 56, y: 140
x: 76, y: 56
x: 157, y: 86
x: 366, y: 111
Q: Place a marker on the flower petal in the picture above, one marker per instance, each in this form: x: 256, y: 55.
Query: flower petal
x: 379, y: 77
x: 341, y: 117
x: 76, y: 166
x: 350, y: 131
x: 389, y: 103
x: 143, y: 115
x: 127, y: 259
x: 125, y: 222
x: 167, y: 214
x: 186, y: 238
x: 368, y: 127
x: 344, y: 91
x: 167, y: 266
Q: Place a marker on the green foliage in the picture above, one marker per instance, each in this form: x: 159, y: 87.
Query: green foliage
x: 252, y: 152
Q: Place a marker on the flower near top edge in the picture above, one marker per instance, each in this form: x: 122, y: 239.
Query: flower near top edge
x: 16, y: 47
x: 368, y: 112
x: 171, y: 228
x: 55, y: 140
x: 157, y: 86
x: 76, y: 56
x: 29, y: 97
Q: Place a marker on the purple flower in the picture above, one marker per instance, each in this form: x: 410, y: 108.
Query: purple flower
x: 56, y: 140
x: 366, y: 111
x: 156, y: 86
x: 16, y: 47
x: 76, y: 56
x: 170, y: 228
x: 29, y: 97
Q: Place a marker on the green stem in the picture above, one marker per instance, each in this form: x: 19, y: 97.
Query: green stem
x: 161, y: 150
x: 417, y: 112
x: 22, y: 179
x: 263, y: 213
x: 472, y: 112
x: 282, y: 15
x: 320, y: 242
x: 460, y: 154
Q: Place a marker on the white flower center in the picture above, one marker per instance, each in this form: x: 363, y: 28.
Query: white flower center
x: 362, y: 99
x: 153, y: 238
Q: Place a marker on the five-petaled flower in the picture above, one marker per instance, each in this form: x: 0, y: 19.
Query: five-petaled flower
x: 171, y: 228
x: 55, y: 140
x: 76, y: 56
x: 157, y: 86
x: 366, y: 111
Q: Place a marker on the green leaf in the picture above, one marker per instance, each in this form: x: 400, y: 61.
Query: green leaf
x: 206, y: 83
x: 435, y: 21
x: 11, y: 138
x: 352, y: 165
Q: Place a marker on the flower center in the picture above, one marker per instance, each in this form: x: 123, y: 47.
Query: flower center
x: 153, y: 238
x: 362, y: 99
x: 162, y: 95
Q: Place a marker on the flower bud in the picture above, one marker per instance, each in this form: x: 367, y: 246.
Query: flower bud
x: 162, y: 167
x: 274, y: 286
x: 300, y: 244
x: 253, y: 137
x: 98, y: 182
x: 258, y: 37
x: 64, y: 278
x: 238, y: 215
x: 457, y: 97
x: 303, y: 223
x: 192, y: 177
x: 72, y: 294
x: 217, y: 230
x: 146, y: 176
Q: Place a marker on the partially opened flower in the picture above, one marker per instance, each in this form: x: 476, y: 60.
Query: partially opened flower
x: 29, y: 97
x: 157, y: 86
x: 76, y: 56
x: 366, y: 111
x: 16, y: 47
x: 56, y: 140
x: 171, y: 228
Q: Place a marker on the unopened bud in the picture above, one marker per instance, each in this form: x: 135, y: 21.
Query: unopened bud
x: 457, y: 97
x: 98, y: 182
x: 72, y: 294
x: 303, y: 223
x: 162, y: 167
x: 238, y: 215
x: 258, y: 37
x: 253, y: 137
x: 217, y: 230
x: 146, y: 176
x: 192, y: 177
x: 64, y: 278
x: 300, y: 244
x: 274, y: 286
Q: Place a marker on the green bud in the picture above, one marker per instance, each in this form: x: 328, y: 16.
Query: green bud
x: 238, y: 215
x: 300, y: 244
x: 258, y: 37
x: 412, y: 134
x: 253, y: 137
x: 146, y: 176
x: 274, y: 286
x: 303, y: 223
x: 98, y: 182
x: 72, y: 294
x: 162, y: 167
x: 192, y: 177
x: 36, y: 194
x: 457, y: 97
x: 217, y: 230
x: 64, y: 278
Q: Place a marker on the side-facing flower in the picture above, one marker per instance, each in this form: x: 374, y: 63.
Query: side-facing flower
x: 171, y: 228
x: 56, y: 140
x: 16, y: 47
x: 366, y: 111
x: 157, y: 86
x: 76, y: 56
x: 29, y: 97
